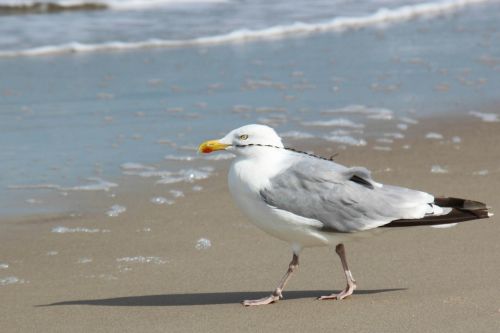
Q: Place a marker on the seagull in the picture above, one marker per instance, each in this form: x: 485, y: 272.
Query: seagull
x: 309, y: 201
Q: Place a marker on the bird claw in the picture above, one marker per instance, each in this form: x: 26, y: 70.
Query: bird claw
x: 327, y: 297
x: 340, y: 296
x: 263, y: 301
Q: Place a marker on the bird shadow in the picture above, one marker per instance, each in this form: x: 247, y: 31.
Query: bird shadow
x: 202, y: 298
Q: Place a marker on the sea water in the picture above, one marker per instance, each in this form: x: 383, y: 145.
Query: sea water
x: 90, y: 97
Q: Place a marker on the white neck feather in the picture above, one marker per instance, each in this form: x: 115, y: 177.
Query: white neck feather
x: 256, y: 166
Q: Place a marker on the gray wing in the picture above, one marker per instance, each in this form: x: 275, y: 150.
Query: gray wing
x: 342, y: 199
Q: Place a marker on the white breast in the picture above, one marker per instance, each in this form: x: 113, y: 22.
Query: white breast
x: 247, y: 176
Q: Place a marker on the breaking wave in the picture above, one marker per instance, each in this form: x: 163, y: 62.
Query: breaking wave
x: 380, y: 17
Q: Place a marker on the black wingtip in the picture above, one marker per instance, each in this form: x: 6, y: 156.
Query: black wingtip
x: 461, y: 210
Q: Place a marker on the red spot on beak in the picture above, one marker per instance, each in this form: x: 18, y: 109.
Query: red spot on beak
x: 210, y: 146
x: 206, y: 150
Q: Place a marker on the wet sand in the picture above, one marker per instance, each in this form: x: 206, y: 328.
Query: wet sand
x: 414, y: 280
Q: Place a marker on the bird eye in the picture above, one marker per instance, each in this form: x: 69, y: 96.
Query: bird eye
x: 243, y: 137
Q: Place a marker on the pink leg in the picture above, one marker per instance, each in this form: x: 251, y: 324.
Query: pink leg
x: 351, y: 284
x: 276, y: 295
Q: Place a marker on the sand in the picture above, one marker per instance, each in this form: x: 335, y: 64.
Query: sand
x: 413, y: 280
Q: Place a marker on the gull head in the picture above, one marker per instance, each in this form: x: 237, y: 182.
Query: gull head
x: 239, y: 140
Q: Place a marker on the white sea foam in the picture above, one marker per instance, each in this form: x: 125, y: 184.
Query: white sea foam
x: 143, y: 260
x: 180, y: 157
x: 161, y: 201
x: 189, y: 175
x: 345, y: 139
x: 341, y: 131
x: 135, y: 166
x: 408, y: 120
x: 66, y: 230
x: 33, y: 201
x: 4, y: 265
x: 434, y: 136
x: 296, y: 135
x: 486, y: 117
x: 337, y: 122
x: 456, y: 139
x: 483, y: 172
x: 203, y: 244
x: 272, y: 121
x: 172, y: 177
x: 147, y: 173
x: 438, y: 169
x: 197, y: 188
x: 394, y: 135
x: 116, y: 210
x: 97, y: 184
x: 10, y: 280
x: 380, y: 17
x: 369, y: 112
x: 176, y: 193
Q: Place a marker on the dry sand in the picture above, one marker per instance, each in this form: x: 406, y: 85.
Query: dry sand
x: 413, y: 280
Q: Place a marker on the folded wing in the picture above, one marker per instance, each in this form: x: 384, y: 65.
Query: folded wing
x: 343, y: 199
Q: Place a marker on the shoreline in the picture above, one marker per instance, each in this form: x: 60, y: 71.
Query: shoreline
x: 83, y: 202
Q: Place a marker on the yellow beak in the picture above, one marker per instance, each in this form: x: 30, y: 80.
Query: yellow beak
x: 210, y: 146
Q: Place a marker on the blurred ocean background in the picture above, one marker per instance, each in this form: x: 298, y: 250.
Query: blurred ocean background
x: 92, y: 92
x: 89, y: 25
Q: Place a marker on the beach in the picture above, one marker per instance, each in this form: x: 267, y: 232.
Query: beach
x: 419, y: 279
x: 110, y: 221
